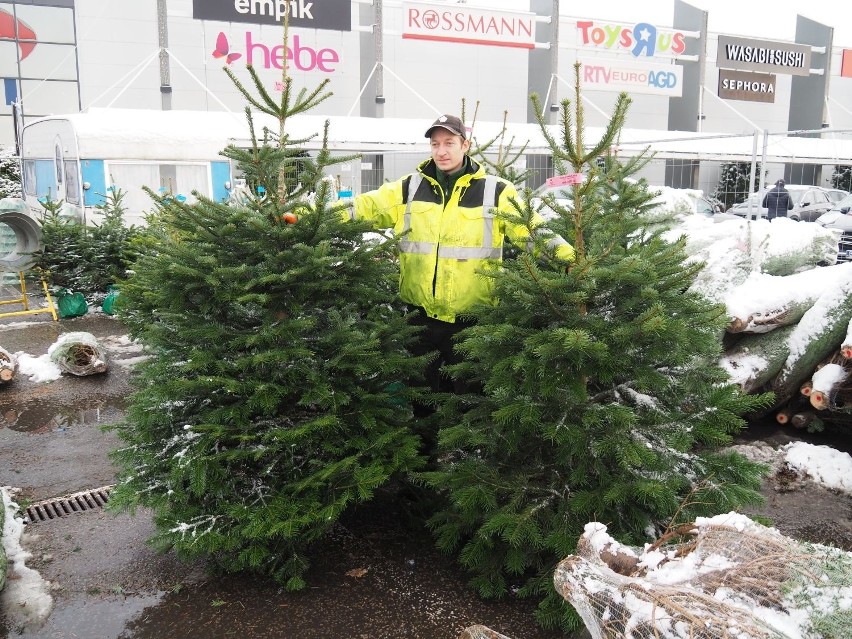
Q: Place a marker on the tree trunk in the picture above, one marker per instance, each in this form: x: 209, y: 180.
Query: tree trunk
x: 816, y: 337
x: 827, y: 381
x: 756, y: 358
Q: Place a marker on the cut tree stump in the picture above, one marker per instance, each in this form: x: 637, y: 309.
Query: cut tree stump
x: 8, y: 366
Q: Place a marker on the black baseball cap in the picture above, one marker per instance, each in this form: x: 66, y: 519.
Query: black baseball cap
x: 451, y: 123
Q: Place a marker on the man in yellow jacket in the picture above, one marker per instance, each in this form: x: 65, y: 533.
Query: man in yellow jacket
x: 445, y: 212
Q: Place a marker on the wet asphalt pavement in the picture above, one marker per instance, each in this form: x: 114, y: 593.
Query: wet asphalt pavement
x: 373, y: 578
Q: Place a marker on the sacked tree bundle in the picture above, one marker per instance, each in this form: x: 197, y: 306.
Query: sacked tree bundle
x: 725, y: 576
x: 79, y: 354
x: 8, y: 366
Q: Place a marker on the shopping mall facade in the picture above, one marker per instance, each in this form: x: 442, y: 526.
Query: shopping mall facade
x: 395, y: 59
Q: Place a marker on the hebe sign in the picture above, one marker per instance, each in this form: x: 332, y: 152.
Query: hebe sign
x: 304, y: 58
x: 301, y: 56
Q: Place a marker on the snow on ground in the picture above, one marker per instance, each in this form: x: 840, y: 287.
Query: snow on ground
x: 826, y: 466
x: 39, y: 369
x: 26, y: 599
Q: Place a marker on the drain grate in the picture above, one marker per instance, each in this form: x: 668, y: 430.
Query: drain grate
x: 57, y: 507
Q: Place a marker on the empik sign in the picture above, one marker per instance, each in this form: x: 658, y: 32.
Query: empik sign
x: 334, y: 15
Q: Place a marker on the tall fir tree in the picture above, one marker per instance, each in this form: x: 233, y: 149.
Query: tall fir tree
x: 273, y: 400
x: 602, y: 399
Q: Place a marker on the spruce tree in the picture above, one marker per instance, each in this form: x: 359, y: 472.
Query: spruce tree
x: 276, y: 395
x: 10, y: 173
x: 111, y: 244
x: 601, y: 395
x: 734, y: 181
x: 841, y: 177
x: 63, y: 260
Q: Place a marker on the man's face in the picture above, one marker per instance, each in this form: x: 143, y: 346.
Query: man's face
x: 448, y: 150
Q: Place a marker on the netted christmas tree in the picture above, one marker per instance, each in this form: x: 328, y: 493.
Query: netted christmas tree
x: 734, y: 181
x: 276, y: 395
x: 602, y: 398
x: 841, y: 177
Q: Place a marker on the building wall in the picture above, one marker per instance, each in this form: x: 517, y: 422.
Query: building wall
x: 116, y: 64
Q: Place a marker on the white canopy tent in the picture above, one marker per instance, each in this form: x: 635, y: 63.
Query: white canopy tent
x: 192, y: 135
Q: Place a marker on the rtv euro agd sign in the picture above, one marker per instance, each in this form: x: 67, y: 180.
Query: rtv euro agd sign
x: 600, y: 74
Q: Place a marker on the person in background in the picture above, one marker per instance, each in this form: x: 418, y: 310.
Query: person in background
x: 777, y: 201
x: 445, y: 212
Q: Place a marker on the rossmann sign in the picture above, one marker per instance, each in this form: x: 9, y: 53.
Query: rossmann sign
x: 746, y: 54
x: 334, y: 15
x: 473, y: 25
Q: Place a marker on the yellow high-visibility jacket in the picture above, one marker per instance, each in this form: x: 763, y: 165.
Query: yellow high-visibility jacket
x: 449, y: 238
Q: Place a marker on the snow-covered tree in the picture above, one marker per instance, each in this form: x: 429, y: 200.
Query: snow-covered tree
x: 277, y: 396
x: 841, y: 177
x: 602, y: 399
x: 734, y: 180
x: 10, y: 173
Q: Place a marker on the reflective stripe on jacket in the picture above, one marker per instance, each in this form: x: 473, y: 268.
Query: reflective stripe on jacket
x: 448, y: 238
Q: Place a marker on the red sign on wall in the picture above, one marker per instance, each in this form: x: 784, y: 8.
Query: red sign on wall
x: 846, y: 64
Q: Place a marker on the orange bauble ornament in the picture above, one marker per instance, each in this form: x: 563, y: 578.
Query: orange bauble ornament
x: 290, y: 218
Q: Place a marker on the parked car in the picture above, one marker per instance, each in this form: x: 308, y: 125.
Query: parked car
x: 809, y: 202
x: 835, y: 195
x: 840, y: 217
x: 683, y: 200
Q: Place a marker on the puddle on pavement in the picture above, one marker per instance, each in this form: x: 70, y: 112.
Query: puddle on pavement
x: 82, y: 618
x: 53, y: 416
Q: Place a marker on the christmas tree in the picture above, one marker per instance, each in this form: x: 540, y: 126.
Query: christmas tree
x: 277, y: 394
x: 10, y: 173
x: 602, y: 399
x: 734, y: 182
x: 841, y: 177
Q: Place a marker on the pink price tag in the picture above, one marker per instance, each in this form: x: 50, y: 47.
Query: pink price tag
x: 565, y: 180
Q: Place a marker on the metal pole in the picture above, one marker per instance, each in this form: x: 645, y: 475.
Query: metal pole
x: 163, y: 35
x: 378, y: 32
x: 762, y: 167
x: 752, y: 174
x: 554, y: 57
